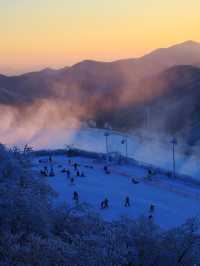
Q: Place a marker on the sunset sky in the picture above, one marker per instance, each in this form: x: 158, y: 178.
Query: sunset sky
x: 56, y: 33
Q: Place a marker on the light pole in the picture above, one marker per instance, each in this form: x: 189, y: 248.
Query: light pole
x: 126, y: 148
x: 174, y: 142
x: 106, y: 134
x: 125, y: 141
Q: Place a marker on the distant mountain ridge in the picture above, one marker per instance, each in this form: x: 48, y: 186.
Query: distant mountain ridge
x: 183, y: 53
x: 161, y: 79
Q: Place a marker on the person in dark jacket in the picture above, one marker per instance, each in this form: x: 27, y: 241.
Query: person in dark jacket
x: 76, y: 196
x: 106, y: 203
x: 46, y: 173
x: 127, y: 202
x: 150, y: 217
x: 63, y: 170
x: 75, y: 166
x: 78, y: 173
x: 105, y: 168
x: 50, y: 159
x: 151, y: 208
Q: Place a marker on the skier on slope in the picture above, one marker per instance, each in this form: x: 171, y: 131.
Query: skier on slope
x: 76, y: 197
x: 106, y: 170
x: 46, y: 173
x: 150, y: 174
x: 50, y: 159
x: 150, y: 217
x: 151, y: 208
x: 127, y: 202
x: 63, y: 170
x: 134, y: 181
x: 75, y: 166
x: 78, y: 173
x: 106, y: 203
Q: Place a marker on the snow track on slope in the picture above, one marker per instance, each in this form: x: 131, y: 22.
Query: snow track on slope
x: 155, y: 182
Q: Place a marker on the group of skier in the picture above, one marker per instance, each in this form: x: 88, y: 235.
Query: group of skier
x: 75, y: 166
x: 46, y: 172
x: 104, y: 204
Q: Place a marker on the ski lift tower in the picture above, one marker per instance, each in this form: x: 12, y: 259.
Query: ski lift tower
x: 174, y: 142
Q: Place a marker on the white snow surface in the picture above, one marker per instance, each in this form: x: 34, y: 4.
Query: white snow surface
x: 155, y: 150
x: 174, y: 201
x: 143, y: 146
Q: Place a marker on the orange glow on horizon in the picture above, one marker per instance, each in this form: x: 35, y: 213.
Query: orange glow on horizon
x: 58, y: 33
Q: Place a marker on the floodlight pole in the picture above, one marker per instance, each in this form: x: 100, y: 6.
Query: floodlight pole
x: 174, y: 142
x: 126, y: 142
x: 106, y: 134
x: 174, y: 165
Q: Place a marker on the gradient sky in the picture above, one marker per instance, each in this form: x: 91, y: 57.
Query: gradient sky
x: 56, y: 33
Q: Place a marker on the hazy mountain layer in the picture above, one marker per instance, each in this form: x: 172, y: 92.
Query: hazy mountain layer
x: 159, y: 90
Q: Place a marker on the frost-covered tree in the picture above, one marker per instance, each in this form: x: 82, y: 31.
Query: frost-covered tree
x: 33, y: 232
x: 24, y: 198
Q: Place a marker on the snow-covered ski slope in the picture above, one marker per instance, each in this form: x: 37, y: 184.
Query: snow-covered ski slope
x: 147, y: 149
x: 174, y: 201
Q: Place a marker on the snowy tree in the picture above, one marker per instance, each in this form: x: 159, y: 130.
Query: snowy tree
x: 34, y: 232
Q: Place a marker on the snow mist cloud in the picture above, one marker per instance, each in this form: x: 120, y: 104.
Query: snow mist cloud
x: 27, y: 124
